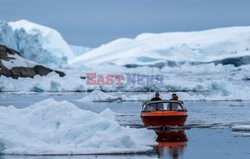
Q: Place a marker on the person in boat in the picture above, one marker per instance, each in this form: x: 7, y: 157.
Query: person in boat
x: 173, y: 106
x: 174, y: 96
x: 156, y: 97
x: 158, y: 106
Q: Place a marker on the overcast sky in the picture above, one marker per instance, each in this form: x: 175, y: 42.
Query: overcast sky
x: 94, y: 22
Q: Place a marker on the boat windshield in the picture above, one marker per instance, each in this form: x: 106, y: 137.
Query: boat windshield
x: 163, y: 106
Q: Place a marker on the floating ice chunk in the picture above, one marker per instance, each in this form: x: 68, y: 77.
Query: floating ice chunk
x: 241, y: 134
x: 53, y: 127
x: 109, y: 114
x: 241, y: 128
x: 99, y: 96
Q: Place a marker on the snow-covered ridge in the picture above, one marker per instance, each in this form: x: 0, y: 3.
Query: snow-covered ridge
x: 148, y: 48
x: 53, y: 127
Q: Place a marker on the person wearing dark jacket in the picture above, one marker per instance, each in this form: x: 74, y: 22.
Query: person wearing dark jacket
x: 157, y: 97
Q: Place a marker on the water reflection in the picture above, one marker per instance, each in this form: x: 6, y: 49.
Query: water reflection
x: 171, y: 144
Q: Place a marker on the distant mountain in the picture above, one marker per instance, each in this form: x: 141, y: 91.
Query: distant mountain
x: 216, y: 45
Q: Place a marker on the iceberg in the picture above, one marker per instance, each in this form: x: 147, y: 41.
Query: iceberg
x: 176, y: 47
x: 204, y: 82
x: 79, y: 50
x: 51, y: 39
x: 50, y: 127
x: 202, y: 65
x: 99, y: 96
x: 35, y: 42
x: 7, y: 36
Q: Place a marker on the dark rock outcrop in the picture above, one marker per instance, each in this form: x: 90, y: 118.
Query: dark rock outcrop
x: 21, y: 71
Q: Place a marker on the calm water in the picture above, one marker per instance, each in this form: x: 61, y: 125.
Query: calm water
x: 208, y: 134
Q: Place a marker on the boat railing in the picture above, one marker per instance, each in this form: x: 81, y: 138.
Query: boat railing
x: 159, y: 105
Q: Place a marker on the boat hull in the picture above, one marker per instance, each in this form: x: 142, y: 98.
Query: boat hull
x: 164, y: 118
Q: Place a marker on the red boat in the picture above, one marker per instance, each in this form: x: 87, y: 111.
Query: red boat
x: 163, y: 113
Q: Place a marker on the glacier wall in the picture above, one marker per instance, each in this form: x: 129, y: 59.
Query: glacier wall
x: 37, y: 43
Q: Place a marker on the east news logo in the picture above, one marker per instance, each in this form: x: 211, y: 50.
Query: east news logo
x: 131, y: 79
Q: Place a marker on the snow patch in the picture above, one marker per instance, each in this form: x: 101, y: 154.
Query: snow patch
x: 17, y: 61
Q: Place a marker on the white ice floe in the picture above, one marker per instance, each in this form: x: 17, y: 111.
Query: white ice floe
x: 53, y: 127
x: 99, y: 96
x: 241, y: 128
